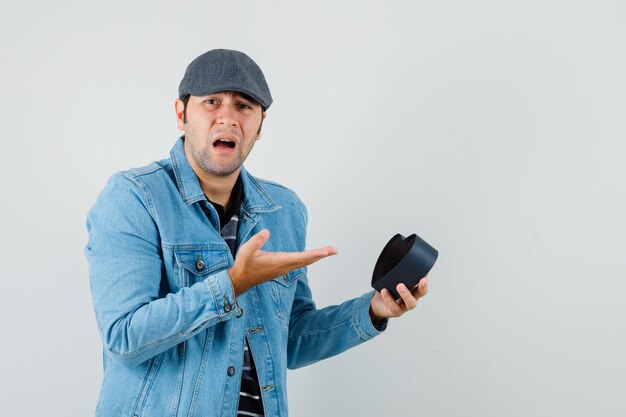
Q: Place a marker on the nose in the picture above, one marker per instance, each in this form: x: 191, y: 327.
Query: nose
x: 226, y: 116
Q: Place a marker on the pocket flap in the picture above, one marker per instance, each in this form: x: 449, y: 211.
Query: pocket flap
x: 202, y: 262
x: 289, y: 278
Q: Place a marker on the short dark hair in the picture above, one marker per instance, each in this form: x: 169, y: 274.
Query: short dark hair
x: 185, y: 100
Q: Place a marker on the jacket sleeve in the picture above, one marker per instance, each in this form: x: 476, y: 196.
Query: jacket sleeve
x: 319, y: 334
x: 127, y: 272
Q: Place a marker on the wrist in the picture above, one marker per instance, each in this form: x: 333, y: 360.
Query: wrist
x: 233, y: 274
x: 375, y: 318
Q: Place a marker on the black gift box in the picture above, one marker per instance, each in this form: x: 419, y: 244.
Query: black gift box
x: 405, y: 260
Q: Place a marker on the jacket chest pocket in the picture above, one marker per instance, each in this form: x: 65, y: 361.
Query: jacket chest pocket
x: 283, y: 291
x: 195, y: 265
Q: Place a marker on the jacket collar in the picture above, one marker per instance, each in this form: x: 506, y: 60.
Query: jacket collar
x: 255, y: 196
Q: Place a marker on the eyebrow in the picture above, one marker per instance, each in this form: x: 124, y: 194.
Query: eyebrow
x: 245, y: 97
x: 238, y: 94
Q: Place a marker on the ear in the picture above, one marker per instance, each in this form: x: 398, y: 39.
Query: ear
x: 179, y: 108
x: 258, y: 135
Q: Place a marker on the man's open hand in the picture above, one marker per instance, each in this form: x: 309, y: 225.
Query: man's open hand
x: 254, y: 266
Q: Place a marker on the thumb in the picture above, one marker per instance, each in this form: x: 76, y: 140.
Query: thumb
x: 255, y: 243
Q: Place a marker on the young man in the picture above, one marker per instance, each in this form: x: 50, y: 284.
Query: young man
x: 198, y: 269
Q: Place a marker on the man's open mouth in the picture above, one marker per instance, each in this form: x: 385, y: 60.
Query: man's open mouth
x: 224, y: 144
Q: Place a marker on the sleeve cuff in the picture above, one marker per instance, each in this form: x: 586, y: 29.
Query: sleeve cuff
x: 225, y: 301
x: 363, y: 320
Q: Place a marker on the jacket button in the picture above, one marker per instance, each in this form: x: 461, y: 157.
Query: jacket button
x: 199, y: 265
x: 227, y: 307
x: 230, y: 371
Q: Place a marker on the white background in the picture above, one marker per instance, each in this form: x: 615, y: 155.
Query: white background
x: 494, y: 129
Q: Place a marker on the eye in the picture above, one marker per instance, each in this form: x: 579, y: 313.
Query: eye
x: 211, y: 101
x: 244, y: 106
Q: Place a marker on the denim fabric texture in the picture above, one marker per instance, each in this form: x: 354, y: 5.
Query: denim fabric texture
x: 173, y: 333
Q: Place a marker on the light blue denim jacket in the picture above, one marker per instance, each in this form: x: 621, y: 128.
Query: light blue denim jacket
x: 172, y: 330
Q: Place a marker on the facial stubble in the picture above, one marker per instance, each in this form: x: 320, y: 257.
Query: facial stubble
x: 203, y: 158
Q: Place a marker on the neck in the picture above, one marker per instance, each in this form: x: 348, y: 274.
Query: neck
x: 218, y: 189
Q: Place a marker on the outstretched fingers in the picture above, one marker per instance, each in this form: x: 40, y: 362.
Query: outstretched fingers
x: 313, y: 255
x: 254, y: 266
x: 302, y: 259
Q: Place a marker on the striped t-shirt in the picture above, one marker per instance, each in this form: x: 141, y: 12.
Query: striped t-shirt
x: 250, y: 401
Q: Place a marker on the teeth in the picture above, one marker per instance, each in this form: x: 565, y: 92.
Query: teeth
x: 228, y: 143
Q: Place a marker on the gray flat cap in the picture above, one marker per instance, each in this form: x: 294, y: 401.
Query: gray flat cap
x: 225, y: 70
